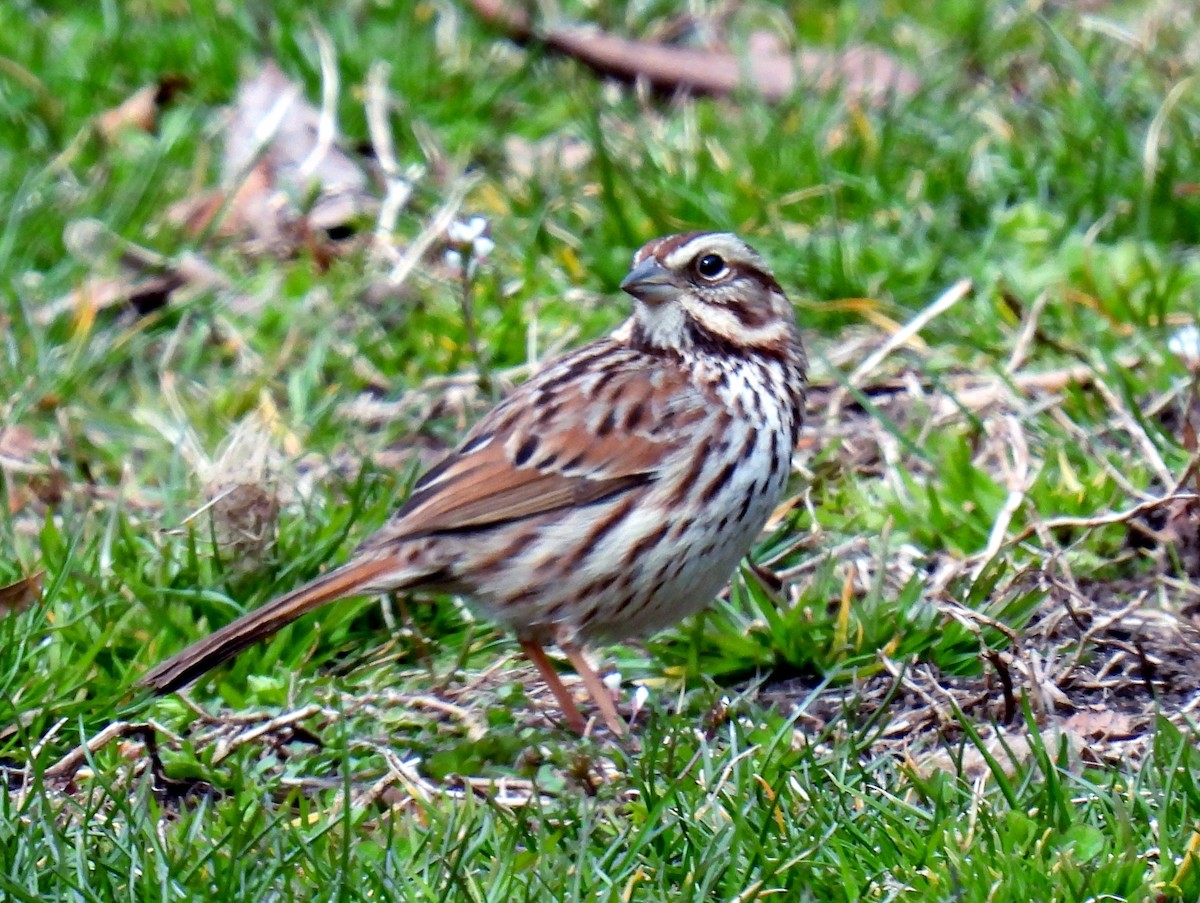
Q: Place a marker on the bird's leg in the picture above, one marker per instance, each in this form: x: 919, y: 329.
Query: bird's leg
x: 595, y: 686
x: 536, y: 654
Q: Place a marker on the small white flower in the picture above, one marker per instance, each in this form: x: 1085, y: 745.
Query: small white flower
x: 612, y: 680
x: 477, y: 226
x: 482, y: 247
x: 461, y: 233
x: 1185, y: 344
x: 453, y: 259
x: 640, y: 696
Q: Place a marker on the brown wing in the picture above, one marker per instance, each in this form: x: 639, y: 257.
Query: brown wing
x: 595, y: 424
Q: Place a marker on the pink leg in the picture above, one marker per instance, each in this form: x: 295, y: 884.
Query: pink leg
x: 537, y: 655
x: 595, y: 687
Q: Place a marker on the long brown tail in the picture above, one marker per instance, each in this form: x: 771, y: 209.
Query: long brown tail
x: 202, y: 656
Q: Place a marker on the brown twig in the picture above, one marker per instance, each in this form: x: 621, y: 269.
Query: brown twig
x: 1102, y: 520
x: 864, y: 72
x: 226, y: 747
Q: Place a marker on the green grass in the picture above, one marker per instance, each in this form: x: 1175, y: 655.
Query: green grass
x: 1049, y: 154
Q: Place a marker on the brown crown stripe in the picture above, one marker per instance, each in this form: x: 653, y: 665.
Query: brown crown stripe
x: 664, y: 247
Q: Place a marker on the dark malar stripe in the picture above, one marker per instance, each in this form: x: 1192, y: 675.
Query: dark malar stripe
x: 750, y: 316
x: 708, y: 342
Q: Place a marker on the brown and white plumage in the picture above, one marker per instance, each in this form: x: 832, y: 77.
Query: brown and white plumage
x: 610, y: 495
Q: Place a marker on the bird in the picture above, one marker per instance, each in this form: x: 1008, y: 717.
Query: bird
x: 610, y: 495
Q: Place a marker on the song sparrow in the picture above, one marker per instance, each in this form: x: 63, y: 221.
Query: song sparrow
x: 610, y: 495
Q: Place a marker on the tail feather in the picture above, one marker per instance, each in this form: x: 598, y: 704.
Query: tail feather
x: 351, y: 579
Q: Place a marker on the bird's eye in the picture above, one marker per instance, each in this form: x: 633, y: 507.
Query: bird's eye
x: 711, y: 266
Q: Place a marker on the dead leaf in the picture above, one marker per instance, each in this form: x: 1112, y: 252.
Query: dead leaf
x: 1171, y: 531
x: 554, y: 154
x: 20, y: 452
x: 147, y: 281
x: 17, y: 448
x: 243, y: 490
x: 284, y: 173
x: 140, y: 110
x: 50, y: 488
x: 16, y: 597
x: 1103, y: 724
x: 862, y: 72
x: 1008, y: 749
x: 102, y: 292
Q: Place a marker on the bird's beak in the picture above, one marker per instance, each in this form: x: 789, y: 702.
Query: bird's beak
x: 650, y: 282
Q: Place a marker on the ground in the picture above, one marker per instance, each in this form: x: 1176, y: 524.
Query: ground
x: 962, y: 661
